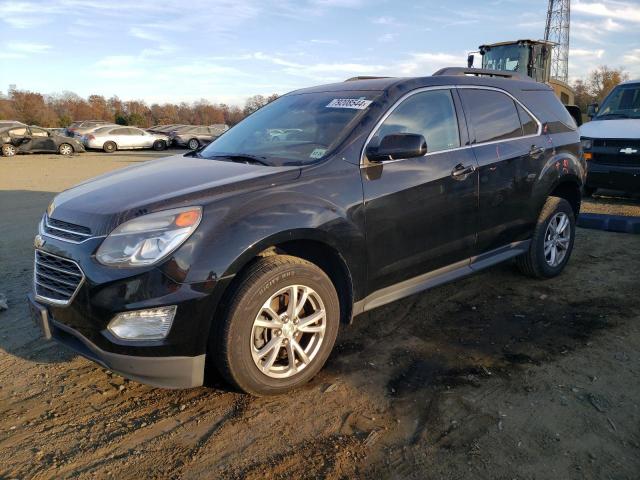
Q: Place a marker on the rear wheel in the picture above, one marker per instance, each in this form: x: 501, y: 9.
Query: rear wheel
x: 65, y: 149
x: 159, y: 145
x: 552, y: 240
x: 279, y: 327
x: 109, y: 147
x: 9, y: 150
x: 193, y: 144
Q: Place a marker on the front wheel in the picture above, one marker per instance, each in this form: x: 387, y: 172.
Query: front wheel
x: 279, y: 327
x: 159, y: 145
x: 9, y: 150
x: 193, y: 144
x: 552, y: 240
x: 65, y: 149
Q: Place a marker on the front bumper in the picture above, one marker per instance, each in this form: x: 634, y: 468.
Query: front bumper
x: 626, y: 178
x: 165, y: 372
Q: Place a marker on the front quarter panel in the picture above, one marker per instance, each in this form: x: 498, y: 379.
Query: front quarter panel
x: 323, y: 204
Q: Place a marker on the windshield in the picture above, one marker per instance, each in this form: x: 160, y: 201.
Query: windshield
x: 512, y: 58
x: 623, y: 102
x: 294, y: 129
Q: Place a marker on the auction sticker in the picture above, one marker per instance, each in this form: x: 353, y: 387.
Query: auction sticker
x: 318, y: 153
x: 355, y: 103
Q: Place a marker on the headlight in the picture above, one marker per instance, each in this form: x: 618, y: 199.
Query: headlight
x: 586, y: 143
x: 148, y: 239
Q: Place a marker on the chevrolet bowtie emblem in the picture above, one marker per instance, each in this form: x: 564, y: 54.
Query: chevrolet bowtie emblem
x: 628, y: 150
x: 38, y: 242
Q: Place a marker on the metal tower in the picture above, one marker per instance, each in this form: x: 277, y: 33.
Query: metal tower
x: 557, y: 31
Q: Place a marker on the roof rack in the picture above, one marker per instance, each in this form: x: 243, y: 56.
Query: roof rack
x: 482, y: 72
x: 365, y: 77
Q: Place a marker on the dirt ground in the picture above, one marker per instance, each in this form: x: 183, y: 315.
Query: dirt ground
x: 495, y: 376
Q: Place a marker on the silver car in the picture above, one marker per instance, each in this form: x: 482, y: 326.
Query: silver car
x: 119, y: 137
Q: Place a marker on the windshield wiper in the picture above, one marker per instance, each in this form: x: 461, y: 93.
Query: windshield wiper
x: 616, y: 115
x: 244, y: 158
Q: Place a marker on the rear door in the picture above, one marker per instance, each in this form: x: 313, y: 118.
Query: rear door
x: 509, y: 154
x: 121, y: 136
x: 420, y: 214
x: 20, y: 137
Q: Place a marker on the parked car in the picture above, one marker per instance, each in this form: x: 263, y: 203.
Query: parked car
x: 117, y: 137
x: 195, y: 137
x: 32, y: 139
x: 611, y: 141
x: 247, y: 255
x: 78, y: 129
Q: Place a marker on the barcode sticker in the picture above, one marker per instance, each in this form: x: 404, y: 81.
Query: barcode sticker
x: 355, y: 103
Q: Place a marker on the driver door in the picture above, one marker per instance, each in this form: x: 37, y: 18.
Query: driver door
x: 41, y: 141
x: 421, y: 213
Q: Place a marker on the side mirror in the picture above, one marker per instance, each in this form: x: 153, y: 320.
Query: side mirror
x: 470, y: 60
x: 397, y: 146
x: 592, y: 110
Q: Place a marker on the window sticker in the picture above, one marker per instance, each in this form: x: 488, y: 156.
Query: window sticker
x: 318, y: 153
x: 355, y: 103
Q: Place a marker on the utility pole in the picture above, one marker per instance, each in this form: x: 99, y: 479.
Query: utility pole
x: 557, y: 31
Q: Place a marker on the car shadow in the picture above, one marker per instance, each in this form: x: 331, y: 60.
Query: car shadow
x: 20, y: 212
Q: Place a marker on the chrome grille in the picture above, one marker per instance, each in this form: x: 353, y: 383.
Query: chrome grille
x: 64, y: 230
x: 56, y: 279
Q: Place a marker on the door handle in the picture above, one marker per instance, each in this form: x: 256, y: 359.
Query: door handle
x: 536, y: 151
x: 460, y: 170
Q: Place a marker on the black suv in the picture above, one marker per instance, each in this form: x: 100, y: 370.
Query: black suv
x: 247, y: 255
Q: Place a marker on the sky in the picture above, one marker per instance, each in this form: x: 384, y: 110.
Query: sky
x: 227, y: 50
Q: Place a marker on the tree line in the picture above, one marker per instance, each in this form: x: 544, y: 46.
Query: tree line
x: 59, y: 110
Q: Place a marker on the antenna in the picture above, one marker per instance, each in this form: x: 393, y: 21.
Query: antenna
x: 557, y: 31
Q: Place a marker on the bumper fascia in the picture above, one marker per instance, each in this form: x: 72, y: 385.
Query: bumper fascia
x: 164, y: 371
x: 613, y: 177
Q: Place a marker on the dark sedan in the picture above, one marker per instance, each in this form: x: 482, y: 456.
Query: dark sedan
x: 31, y: 139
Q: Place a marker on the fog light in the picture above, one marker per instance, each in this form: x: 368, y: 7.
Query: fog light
x: 151, y: 324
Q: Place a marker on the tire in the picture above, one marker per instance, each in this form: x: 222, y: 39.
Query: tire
x: 9, y: 150
x: 540, y: 261
x: 238, y: 342
x: 109, y: 147
x: 193, y: 144
x: 159, y: 145
x: 65, y: 149
x: 589, y: 191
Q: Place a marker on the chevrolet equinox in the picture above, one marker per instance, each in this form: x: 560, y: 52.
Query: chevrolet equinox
x: 247, y: 255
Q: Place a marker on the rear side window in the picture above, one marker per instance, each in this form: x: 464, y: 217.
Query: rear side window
x: 18, y: 131
x: 120, y: 131
x: 493, y: 115
x: 529, y: 125
x: 547, y: 107
x: 431, y: 114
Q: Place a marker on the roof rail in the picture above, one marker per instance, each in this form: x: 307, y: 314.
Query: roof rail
x: 364, y: 77
x: 482, y: 72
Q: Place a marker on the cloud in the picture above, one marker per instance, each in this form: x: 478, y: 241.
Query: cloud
x: 580, y: 52
x: 384, y: 21
x: 387, y: 37
x: 28, y: 48
x: 614, y: 10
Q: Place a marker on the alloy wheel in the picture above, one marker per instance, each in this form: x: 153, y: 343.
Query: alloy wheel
x: 66, y: 149
x: 288, y: 331
x: 8, y: 150
x: 557, y: 239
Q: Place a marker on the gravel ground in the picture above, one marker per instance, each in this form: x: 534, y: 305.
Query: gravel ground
x: 493, y: 376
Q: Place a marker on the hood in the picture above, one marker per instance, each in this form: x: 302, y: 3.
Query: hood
x: 620, y: 128
x: 106, y: 201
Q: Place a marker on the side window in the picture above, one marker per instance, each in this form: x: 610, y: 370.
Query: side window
x: 431, y: 114
x: 493, y: 115
x: 120, y: 131
x: 529, y: 125
x: 39, y: 132
x: 135, y: 131
x: 18, y: 132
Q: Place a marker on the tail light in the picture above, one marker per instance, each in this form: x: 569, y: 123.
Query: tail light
x: 90, y: 137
